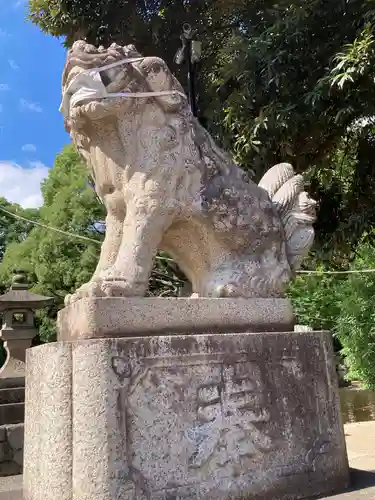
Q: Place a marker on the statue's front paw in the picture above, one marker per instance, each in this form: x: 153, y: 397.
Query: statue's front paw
x: 118, y: 284
x: 103, y: 287
x: 109, y: 283
x: 91, y: 289
x: 229, y: 290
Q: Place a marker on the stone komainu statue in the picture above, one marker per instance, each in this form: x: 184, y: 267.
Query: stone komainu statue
x: 166, y: 185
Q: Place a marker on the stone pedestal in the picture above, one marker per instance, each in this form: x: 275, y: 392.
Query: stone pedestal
x: 132, y: 317
x: 203, y: 417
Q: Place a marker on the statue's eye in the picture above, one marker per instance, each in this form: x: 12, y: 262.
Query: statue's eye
x: 169, y: 138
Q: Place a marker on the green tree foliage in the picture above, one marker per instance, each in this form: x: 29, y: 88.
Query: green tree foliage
x: 56, y: 263
x: 278, y: 82
x: 343, y: 304
x: 296, y: 73
x: 11, y: 228
x: 304, y: 93
x: 316, y: 300
x: 61, y: 263
x: 154, y: 26
x: 355, y: 325
x: 150, y: 24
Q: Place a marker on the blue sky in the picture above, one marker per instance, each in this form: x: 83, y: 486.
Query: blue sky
x: 31, y: 127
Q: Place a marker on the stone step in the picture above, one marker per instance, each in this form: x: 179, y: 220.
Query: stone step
x: 11, y: 495
x: 12, y: 395
x: 11, y: 488
x: 11, y: 382
x: 12, y: 413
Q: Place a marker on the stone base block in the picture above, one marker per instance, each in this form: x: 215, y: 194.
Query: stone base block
x: 139, y: 316
x: 198, y: 417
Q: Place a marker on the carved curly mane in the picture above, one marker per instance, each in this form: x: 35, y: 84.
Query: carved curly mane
x: 87, y: 56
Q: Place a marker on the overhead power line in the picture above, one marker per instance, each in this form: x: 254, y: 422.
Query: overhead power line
x: 50, y: 228
x: 60, y: 231
x: 97, y: 242
x: 353, y: 271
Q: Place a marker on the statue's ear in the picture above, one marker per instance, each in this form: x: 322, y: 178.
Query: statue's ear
x: 171, y: 103
x: 131, y: 51
x: 117, y: 79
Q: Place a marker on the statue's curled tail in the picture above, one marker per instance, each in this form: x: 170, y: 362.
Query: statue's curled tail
x: 295, y: 208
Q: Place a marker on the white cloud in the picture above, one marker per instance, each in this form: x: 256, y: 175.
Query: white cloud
x: 29, y: 148
x: 22, y: 185
x: 13, y: 64
x: 30, y: 106
x: 4, y: 86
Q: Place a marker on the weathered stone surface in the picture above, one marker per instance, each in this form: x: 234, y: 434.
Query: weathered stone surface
x: 48, y: 424
x: 196, y: 417
x: 11, y: 488
x: 166, y: 185
x: 116, y: 316
x: 10, y: 484
x: 13, y: 368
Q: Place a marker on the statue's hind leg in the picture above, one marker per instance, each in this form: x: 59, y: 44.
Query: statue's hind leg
x: 248, y: 276
x: 219, y: 268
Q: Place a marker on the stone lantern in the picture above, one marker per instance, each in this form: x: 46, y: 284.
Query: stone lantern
x: 18, y: 306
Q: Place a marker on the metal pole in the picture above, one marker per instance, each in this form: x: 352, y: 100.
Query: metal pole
x: 191, y: 73
x: 189, y: 52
